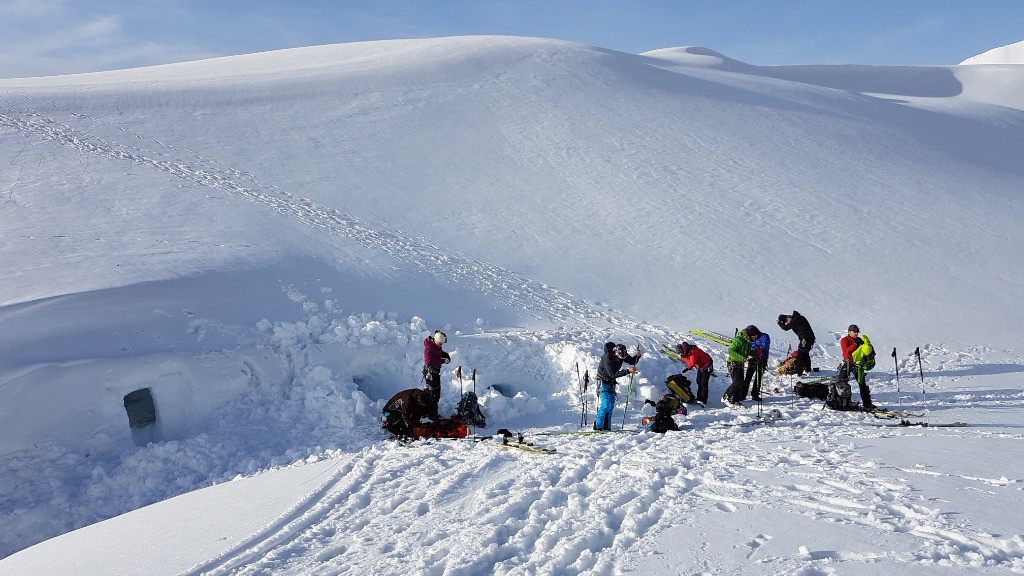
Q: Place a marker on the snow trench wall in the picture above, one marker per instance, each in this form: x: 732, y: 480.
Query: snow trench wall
x: 92, y: 414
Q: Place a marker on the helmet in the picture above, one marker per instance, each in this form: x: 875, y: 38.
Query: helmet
x: 683, y: 348
x: 439, y: 337
x: 752, y: 331
x: 620, y: 351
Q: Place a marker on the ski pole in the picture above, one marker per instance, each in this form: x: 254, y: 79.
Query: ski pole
x: 758, y: 380
x: 474, y: 381
x: 625, y: 410
x: 583, y: 411
x: 629, y: 393
x: 586, y: 383
x: 920, y: 370
x: 899, y: 396
x: 458, y: 372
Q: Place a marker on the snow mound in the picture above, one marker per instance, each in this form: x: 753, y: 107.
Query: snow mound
x: 1009, y: 54
x: 695, y: 56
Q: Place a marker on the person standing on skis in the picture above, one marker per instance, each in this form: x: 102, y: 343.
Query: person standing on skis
x: 615, y: 355
x: 757, y: 363
x: 802, y: 328
x: 433, y: 358
x: 696, y: 359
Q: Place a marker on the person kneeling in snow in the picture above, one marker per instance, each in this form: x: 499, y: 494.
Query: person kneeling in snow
x: 662, y: 421
x: 405, y: 410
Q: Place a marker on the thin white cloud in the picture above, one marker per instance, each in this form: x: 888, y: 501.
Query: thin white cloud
x: 29, y: 8
x: 54, y: 37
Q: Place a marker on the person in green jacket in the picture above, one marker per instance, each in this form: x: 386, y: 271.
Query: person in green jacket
x: 739, y: 350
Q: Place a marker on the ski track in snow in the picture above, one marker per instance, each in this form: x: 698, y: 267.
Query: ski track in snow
x: 582, y: 511
x: 509, y: 288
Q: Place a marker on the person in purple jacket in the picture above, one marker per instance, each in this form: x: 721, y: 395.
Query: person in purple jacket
x: 433, y: 358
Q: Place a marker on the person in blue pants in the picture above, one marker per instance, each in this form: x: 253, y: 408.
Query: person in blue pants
x: 615, y: 355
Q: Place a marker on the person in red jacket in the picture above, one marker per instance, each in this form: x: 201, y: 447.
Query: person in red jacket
x: 696, y: 359
x: 433, y: 358
x: 849, y: 343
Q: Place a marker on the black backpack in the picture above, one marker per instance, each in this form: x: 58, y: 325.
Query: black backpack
x: 469, y: 412
x: 816, y: 390
x: 839, y: 396
x: 680, y: 386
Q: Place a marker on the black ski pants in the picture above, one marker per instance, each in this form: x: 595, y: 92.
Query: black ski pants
x: 845, y: 370
x: 703, y: 378
x: 736, y: 392
x: 803, y: 356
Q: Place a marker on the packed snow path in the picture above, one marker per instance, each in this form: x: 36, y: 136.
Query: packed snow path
x: 471, y: 508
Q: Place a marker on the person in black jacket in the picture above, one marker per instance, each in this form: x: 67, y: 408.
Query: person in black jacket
x: 406, y: 409
x: 802, y: 328
x: 610, y: 369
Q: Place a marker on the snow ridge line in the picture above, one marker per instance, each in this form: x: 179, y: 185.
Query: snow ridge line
x: 507, y: 287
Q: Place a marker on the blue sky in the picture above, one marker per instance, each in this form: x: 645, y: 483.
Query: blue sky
x: 47, y: 37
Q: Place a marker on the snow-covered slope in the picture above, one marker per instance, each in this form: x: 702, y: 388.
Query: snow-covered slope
x: 1009, y: 54
x: 606, y: 155
x: 264, y: 240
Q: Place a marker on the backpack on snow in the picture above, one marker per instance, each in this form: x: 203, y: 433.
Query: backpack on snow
x: 839, y: 396
x: 815, y: 390
x: 864, y: 355
x: 788, y: 366
x: 469, y: 411
x: 680, y: 386
x: 443, y: 428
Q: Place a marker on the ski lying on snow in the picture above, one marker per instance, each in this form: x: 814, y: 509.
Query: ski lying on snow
x: 505, y: 440
x: 754, y: 422
x: 670, y: 352
x: 587, y: 432
x: 427, y: 441
x: 712, y: 336
x: 909, y: 424
x: 892, y: 414
x: 525, y: 447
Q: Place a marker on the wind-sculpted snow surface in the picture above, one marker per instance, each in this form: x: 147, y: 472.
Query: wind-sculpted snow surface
x: 267, y: 244
x: 503, y: 286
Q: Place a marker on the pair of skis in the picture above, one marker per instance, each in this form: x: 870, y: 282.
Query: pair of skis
x: 712, y: 336
x: 520, y: 443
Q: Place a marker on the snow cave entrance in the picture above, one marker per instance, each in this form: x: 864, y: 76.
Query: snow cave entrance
x: 141, y: 415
